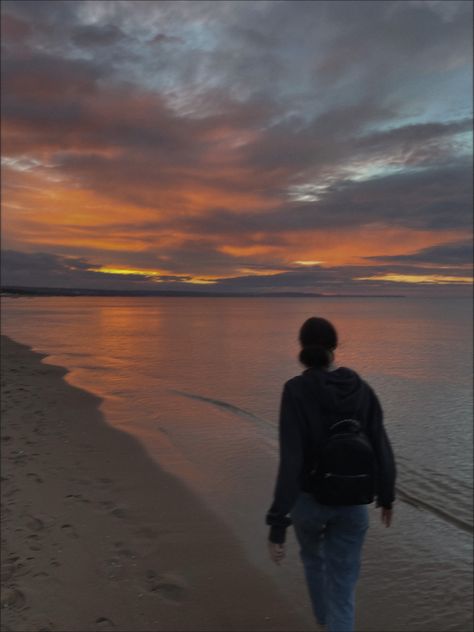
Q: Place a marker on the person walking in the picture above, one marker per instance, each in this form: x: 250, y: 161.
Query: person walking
x: 335, y: 458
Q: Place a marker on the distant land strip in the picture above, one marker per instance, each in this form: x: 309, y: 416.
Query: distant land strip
x: 46, y: 291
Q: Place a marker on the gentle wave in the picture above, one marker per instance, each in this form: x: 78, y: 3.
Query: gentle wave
x: 222, y: 404
x: 417, y: 502
x: 434, y: 482
x: 443, y: 495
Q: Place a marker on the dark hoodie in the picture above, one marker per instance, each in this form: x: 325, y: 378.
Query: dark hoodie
x: 308, y: 402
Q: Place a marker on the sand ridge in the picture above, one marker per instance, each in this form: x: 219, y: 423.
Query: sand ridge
x: 96, y: 537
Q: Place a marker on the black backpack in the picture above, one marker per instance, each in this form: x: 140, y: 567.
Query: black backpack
x: 345, y: 467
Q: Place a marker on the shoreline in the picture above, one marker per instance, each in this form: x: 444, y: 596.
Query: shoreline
x: 96, y: 536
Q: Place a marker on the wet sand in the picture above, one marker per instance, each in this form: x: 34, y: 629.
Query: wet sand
x: 96, y: 537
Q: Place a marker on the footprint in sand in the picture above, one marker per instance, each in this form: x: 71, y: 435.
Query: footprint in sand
x: 113, y: 509
x: 12, y: 492
x: 37, y: 478
x: 11, y: 597
x: 35, y: 524
x: 119, y: 512
x: 123, y: 551
x: 35, y: 548
x: 7, y: 571
x: 19, y: 457
x: 69, y: 530
x: 104, y: 623
x: 167, y: 586
x: 127, y: 553
x: 77, y: 497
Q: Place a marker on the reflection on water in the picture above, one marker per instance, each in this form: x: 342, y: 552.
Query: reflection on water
x: 199, y: 380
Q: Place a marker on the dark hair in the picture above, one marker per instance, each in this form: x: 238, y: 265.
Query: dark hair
x: 318, y: 338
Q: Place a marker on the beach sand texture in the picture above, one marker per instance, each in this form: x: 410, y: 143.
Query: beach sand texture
x: 96, y: 537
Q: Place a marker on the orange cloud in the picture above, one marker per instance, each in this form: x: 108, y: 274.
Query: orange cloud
x: 41, y: 211
x: 351, y: 246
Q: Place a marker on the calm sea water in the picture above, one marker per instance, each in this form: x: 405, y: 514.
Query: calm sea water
x: 198, y: 381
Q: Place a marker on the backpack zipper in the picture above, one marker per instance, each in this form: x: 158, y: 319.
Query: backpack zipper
x: 330, y: 474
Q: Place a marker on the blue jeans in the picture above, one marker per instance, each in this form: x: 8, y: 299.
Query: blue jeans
x: 331, y: 539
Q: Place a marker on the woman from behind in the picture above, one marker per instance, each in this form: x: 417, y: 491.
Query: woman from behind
x: 335, y: 458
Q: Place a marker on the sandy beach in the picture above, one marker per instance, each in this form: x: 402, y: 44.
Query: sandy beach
x: 96, y: 537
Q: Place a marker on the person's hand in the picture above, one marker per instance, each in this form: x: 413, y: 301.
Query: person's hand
x: 386, y: 515
x: 277, y: 552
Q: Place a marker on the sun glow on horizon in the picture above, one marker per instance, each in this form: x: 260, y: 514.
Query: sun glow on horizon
x: 197, y: 281
x: 155, y: 275
x: 125, y: 271
x: 435, y: 279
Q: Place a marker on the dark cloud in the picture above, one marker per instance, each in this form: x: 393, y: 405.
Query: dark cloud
x: 459, y: 253
x: 46, y: 78
x: 438, y: 199
x: 92, y: 35
x: 327, y: 54
x: 162, y: 38
x: 24, y: 263
x: 47, y: 270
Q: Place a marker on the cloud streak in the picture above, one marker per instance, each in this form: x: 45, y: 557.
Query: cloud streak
x: 53, y: 271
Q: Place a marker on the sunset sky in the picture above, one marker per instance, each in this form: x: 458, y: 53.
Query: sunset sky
x: 238, y: 146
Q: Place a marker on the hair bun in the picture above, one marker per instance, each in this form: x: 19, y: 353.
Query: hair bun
x: 315, y: 356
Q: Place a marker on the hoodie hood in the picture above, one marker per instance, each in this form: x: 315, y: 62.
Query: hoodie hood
x: 340, y: 391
